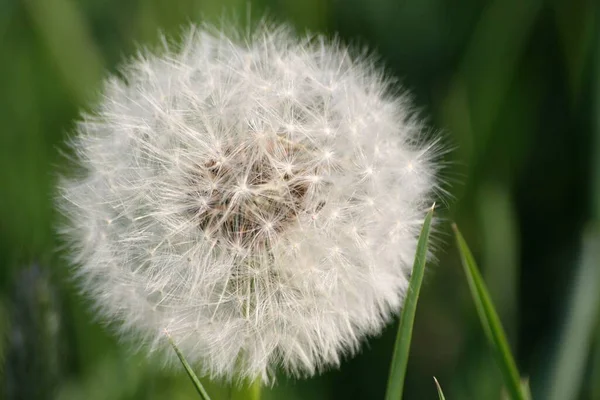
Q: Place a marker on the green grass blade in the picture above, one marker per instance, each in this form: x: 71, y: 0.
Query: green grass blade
x: 574, y: 343
x: 439, y: 389
x: 490, y: 321
x: 188, y: 369
x: 407, y: 317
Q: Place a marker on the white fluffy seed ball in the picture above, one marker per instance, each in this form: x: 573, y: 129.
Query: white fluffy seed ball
x: 258, y: 198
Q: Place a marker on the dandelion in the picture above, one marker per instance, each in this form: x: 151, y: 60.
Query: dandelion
x: 257, y: 197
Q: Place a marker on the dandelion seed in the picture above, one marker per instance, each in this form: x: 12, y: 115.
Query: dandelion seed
x: 250, y: 196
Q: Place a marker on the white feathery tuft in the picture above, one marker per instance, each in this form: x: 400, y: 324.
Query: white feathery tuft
x: 259, y: 198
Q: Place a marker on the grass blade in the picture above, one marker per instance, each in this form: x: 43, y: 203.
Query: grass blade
x: 490, y: 321
x: 574, y: 342
x: 439, y: 389
x: 188, y: 369
x: 407, y: 317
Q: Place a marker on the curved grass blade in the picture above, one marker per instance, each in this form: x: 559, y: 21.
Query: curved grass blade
x: 439, y: 389
x: 407, y: 317
x: 490, y: 322
x: 188, y: 369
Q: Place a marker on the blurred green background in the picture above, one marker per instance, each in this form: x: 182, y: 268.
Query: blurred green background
x: 513, y: 85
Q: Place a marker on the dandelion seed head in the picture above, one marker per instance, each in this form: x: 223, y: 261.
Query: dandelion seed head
x: 258, y: 198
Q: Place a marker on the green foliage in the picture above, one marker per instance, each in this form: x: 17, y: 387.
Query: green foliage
x: 490, y: 322
x: 246, y: 391
x: 405, y: 329
x: 574, y: 341
x: 188, y: 369
x: 439, y: 389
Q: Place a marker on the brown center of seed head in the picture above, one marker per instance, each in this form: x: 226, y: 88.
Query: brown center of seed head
x: 245, y: 199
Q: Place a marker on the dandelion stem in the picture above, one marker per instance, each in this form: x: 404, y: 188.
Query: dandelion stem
x: 249, y: 390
